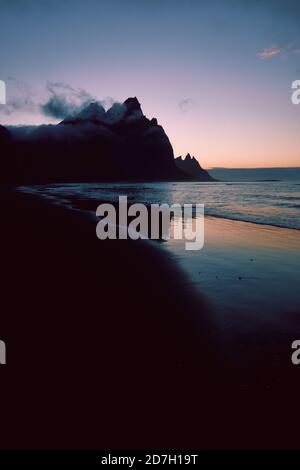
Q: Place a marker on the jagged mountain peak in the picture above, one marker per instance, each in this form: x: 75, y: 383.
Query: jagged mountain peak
x: 133, y: 104
x: 192, y: 167
x: 93, y: 111
x: 191, y: 160
x: 133, y: 108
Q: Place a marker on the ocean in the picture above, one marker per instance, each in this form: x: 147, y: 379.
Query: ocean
x: 275, y: 203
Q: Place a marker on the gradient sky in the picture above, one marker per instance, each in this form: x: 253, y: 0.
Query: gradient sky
x: 217, y: 74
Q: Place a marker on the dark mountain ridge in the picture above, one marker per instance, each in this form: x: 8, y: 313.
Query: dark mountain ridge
x: 119, y: 144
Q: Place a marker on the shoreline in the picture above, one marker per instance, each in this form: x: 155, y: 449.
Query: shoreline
x: 91, y: 204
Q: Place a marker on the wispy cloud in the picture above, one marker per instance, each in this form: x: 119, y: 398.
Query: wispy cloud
x: 64, y: 100
x: 270, y: 52
x: 21, y: 98
x: 185, y: 104
x: 57, y: 101
x: 278, y: 51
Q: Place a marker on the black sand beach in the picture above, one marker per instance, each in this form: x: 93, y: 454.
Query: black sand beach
x: 109, y: 346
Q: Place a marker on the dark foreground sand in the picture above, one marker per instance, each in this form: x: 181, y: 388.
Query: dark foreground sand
x: 109, y: 346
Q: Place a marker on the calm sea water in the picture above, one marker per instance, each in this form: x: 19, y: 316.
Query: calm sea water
x: 271, y: 203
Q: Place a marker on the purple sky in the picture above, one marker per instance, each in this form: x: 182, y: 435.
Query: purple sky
x: 216, y: 74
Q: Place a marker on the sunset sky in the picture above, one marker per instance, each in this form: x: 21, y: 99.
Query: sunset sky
x: 217, y: 74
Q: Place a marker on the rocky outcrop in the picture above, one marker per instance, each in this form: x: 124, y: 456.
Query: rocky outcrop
x: 192, y: 168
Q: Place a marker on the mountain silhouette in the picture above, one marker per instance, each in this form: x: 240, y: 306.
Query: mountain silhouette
x: 119, y: 144
x: 192, y: 167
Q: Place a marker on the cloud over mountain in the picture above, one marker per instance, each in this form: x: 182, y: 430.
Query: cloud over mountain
x: 64, y: 100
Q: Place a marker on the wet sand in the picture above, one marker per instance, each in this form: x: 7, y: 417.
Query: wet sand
x: 112, y: 345
x: 249, y: 272
x: 250, y: 275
